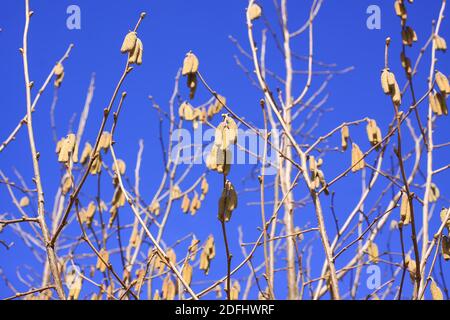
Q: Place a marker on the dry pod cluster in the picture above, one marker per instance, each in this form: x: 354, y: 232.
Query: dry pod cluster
x: 406, y: 63
x: 58, y: 70
x: 442, y: 82
x: 100, y: 264
x: 175, y: 192
x: 446, y: 248
x: 409, y: 36
x: 412, y: 267
x: 87, y: 214
x: 193, y: 248
x: 86, y: 153
x: 317, y: 176
x: 134, y: 47
x: 434, y: 193
x: 208, y: 253
x: 216, y: 106
x: 187, y: 112
x: 75, y: 285
x: 169, y: 289
x: 436, y: 293
x: 65, y: 147
x: 372, y: 251
x: 440, y: 43
x: 390, y: 86
x: 235, y: 290
x: 228, y: 202
x: 219, y: 158
x: 438, y: 103
x: 190, y: 68
x: 400, y: 9
x: 374, y: 133
x: 187, y: 273
x: 358, y: 162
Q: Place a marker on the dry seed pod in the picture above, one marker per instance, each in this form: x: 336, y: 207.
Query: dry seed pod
x: 24, y: 202
x: 436, y: 293
x: 66, y: 148
x: 185, y: 204
x: 140, y: 274
x: 100, y: 264
x: 345, y: 135
x: 323, y: 182
x: 373, y: 133
x: 186, y: 111
x: 438, y: 104
x: 226, y: 133
x: 216, y: 106
x: 408, y: 36
x: 357, y: 158
x: 372, y: 251
x: 187, y: 273
x: 172, y: 256
x: 134, y: 238
x: 96, y: 167
x: 129, y: 43
x: 440, y: 43
x: 135, y: 56
x: 140, y: 53
x: 235, y: 290
x: 434, y: 193
x: 208, y: 253
x: 154, y: 208
x: 118, y: 199
x: 204, y: 186
x: 442, y: 82
x: 193, y: 248
x: 86, y: 153
x: 90, y: 212
x: 168, y: 289
x: 58, y: 69
x: 443, y: 215
x: 105, y: 141
x: 446, y: 248
x: 67, y: 185
x: 405, y: 210
x: 75, y: 288
x: 223, y: 161
x: 228, y: 202
x: 121, y: 167
x: 406, y: 63
x: 412, y: 267
x: 192, y: 84
x: 396, y: 95
x: 175, y: 193
x: 190, y: 64
x: 385, y: 81
x: 254, y: 12
x: 195, y: 204
x: 400, y: 9
x: 59, y: 80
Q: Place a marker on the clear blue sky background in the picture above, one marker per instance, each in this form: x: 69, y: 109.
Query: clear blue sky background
x: 171, y: 29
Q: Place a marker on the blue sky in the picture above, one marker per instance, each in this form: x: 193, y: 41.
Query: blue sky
x: 171, y: 29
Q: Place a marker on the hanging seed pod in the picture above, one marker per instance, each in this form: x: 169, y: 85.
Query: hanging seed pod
x: 436, y: 293
x: 75, y: 288
x: 408, y: 36
x: 96, y: 167
x: 204, y: 186
x: 396, y: 95
x: 405, y: 210
x: 24, y: 202
x: 443, y: 214
x: 129, y: 43
x: 254, y: 12
x: 121, y: 167
x: 186, y: 111
x: 192, y: 84
x: 345, y: 135
x: 118, y: 199
x: 385, y: 81
x: 223, y: 161
x: 228, y: 202
x: 105, y: 141
x: 323, y: 182
x: 86, y: 153
x: 140, y: 53
x: 100, y: 264
x: 358, y: 162
x: 187, y: 273
x: 89, y: 213
x: 67, y: 185
x: 434, y: 193
x: 154, y: 208
x: 372, y: 251
x: 235, y: 290
x: 438, y: 103
x: 135, y: 56
x: 440, y: 43
x: 373, y: 133
x: 226, y: 133
x: 442, y: 82
x: 412, y: 267
x: 446, y: 248
x: 168, y: 289
x: 185, y: 204
x: 140, y: 275
x: 159, y: 264
x: 66, y: 148
x: 208, y: 253
x: 190, y: 64
x: 216, y: 106
x: 195, y: 204
x: 134, y: 238
x: 400, y: 9
x: 406, y: 63
x: 175, y: 193
x: 172, y: 256
x: 193, y: 248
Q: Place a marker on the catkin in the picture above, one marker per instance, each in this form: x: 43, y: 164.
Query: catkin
x: 357, y: 158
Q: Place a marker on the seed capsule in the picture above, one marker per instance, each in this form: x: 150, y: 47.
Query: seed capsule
x: 129, y: 43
